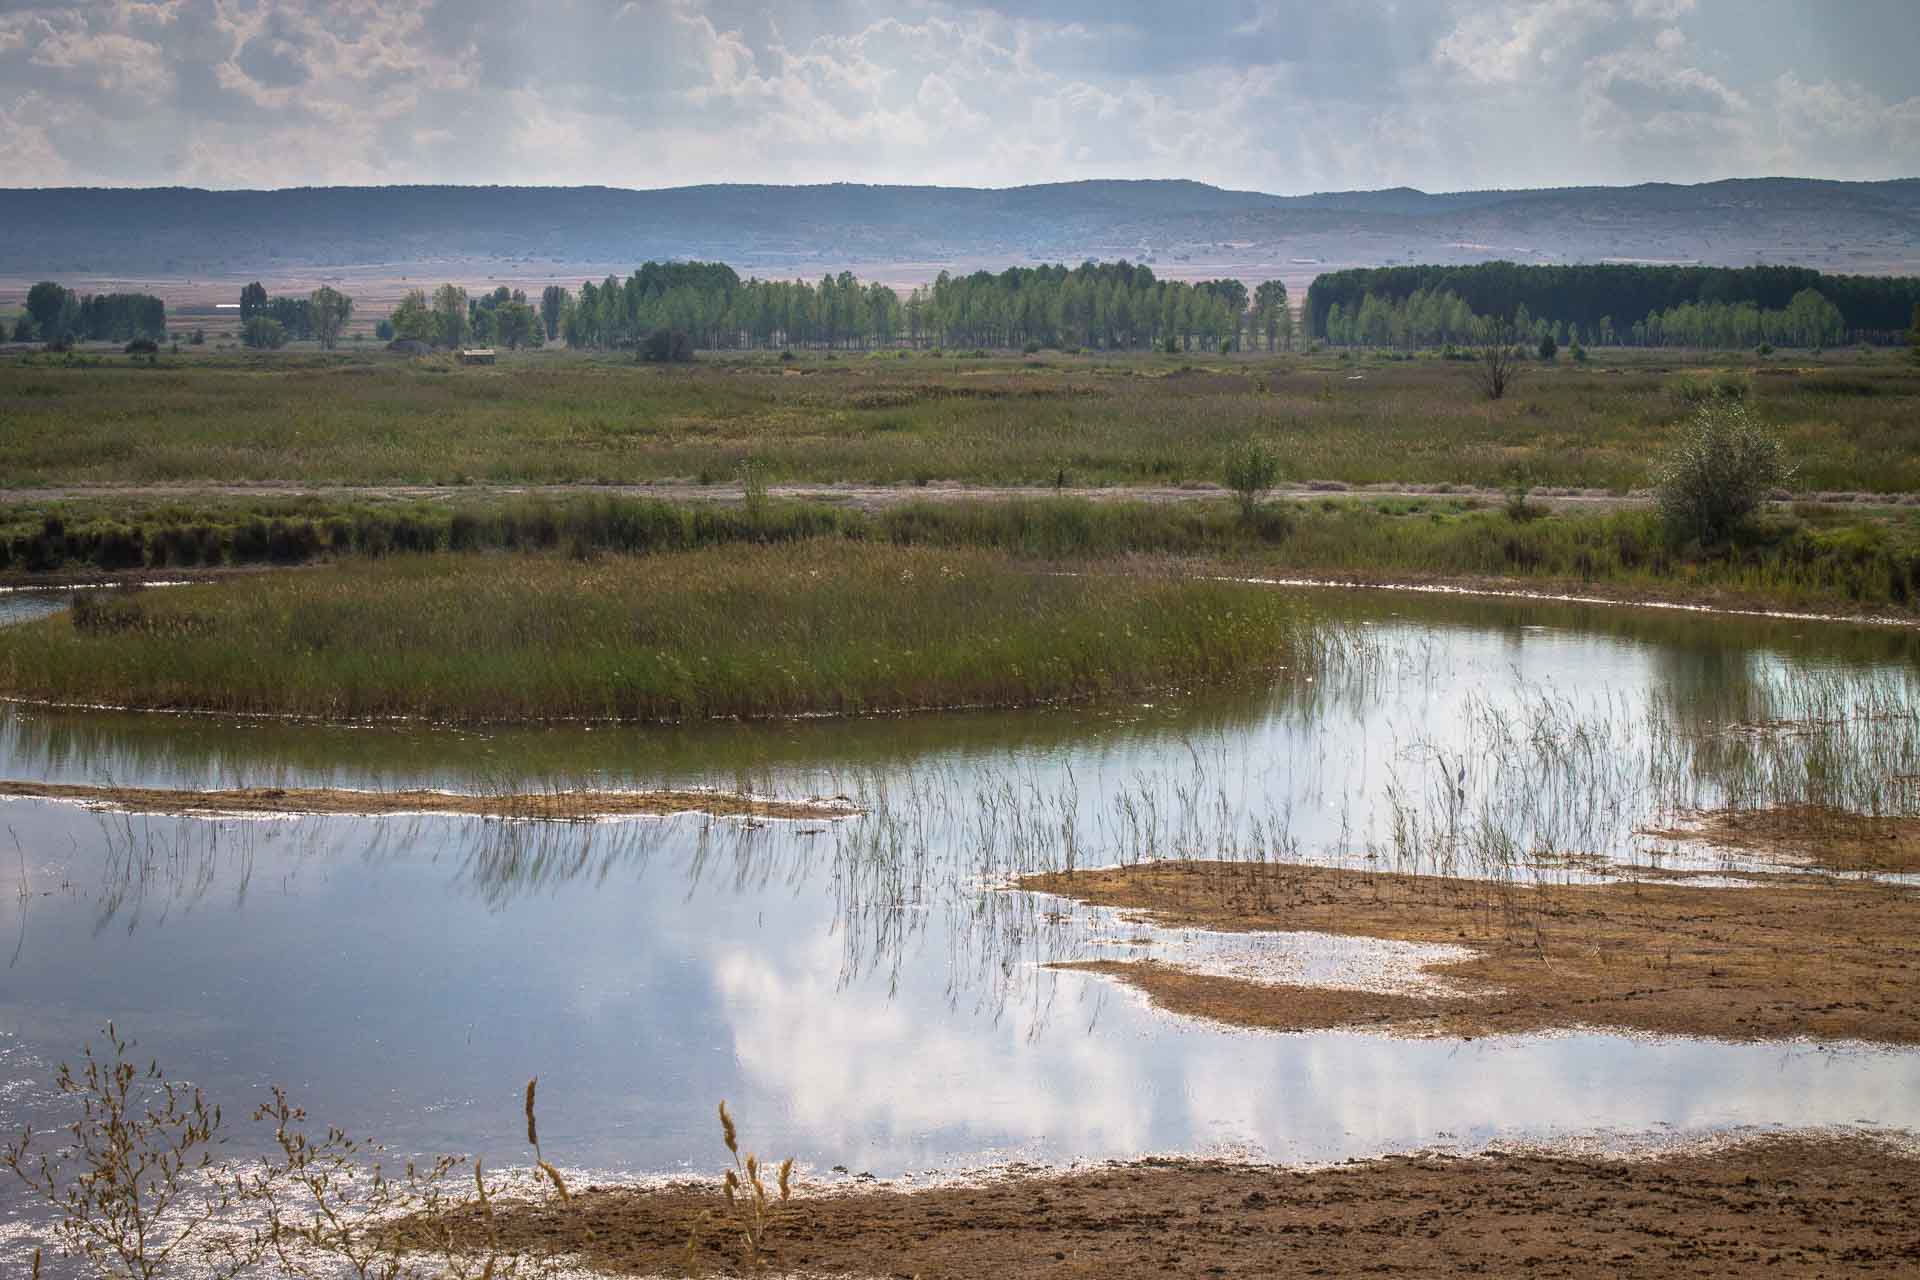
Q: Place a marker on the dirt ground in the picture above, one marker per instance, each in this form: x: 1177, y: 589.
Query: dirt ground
x: 1813, y: 835
x: 1802, y: 1205
x: 1789, y: 955
x: 550, y: 805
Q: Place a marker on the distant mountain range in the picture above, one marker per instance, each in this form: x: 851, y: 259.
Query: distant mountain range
x: 1182, y: 228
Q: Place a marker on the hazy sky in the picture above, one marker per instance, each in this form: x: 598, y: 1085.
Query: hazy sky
x: 1278, y: 95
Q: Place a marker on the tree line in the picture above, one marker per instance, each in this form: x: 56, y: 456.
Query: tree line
x: 56, y: 313
x: 1104, y: 305
x: 1608, y: 301
x: 1444, y: 318
x: 271, y: 322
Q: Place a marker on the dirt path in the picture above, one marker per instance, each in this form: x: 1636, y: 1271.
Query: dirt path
x: 1803, y: 1205
x: 1786, y: 955
x: 547, y: 805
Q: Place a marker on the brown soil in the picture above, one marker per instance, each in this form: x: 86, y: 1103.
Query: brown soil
x: 1805, y: 1205
x: 551, y: 805
x: 1787, y: 956
x: 1809, y: 834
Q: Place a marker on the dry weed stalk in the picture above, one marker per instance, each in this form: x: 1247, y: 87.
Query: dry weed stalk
x: 751, y: 1212
x: 136, y: 1190
x: 533, y: 1140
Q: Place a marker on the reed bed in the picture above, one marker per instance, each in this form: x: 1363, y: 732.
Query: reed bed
x: 820, y: 627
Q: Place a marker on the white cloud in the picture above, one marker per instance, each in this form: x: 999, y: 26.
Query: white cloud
x: 1286, y: 96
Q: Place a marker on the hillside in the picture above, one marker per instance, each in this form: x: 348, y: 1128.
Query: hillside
x: 1182, y: 227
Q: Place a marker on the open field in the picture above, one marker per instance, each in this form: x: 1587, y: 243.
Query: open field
x: 818, y: 627
x: 1849, y: 421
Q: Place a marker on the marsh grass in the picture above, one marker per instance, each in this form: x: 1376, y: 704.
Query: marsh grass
x: 562, y: 418
x: 818, y: 627
x: 1814, y: 557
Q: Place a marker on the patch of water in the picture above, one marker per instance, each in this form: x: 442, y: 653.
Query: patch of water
x: 861, y: 995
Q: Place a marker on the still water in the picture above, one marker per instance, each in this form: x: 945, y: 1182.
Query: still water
x: 862, y: 993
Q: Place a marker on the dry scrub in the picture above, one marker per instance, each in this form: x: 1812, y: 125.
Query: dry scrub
x: 1789, y: 956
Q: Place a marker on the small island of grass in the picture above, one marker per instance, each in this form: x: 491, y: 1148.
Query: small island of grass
x: 823, y: 627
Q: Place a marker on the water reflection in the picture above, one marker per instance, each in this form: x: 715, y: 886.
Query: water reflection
x: 862, y: 991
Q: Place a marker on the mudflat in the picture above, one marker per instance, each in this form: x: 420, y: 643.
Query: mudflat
x: 1797, y: 1205
x: 549, y: 805
x: 1777, y: 956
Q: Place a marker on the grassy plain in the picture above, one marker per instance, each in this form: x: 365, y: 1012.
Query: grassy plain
x: 367, y: 418
x: 820, y: 626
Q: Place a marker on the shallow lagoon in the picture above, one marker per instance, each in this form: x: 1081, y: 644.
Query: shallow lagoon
x: 862, y: 993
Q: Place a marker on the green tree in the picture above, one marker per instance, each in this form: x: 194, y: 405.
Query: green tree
x: 516, y: 325
x: 553, y: 306
x: 450, y: 306
x: 1913, y: 336
x: 329, y: 309
x: 253, y: 300
x: 415, y: 318
x: 52, y: 307
x: 263, y: 333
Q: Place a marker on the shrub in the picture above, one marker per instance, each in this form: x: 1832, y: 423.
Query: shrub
x: 142, y: 347
x: 666, y: 346
x: 1721, y: 468
x: 1032, y: 348
x: 1251, y: 471
x: 263, y: 333
x: 1548, y: 347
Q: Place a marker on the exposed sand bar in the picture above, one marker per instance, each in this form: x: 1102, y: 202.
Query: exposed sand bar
x: 558, y: 806
x: 1779, y: 956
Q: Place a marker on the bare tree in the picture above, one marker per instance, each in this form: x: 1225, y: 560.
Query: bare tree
x: 1500, y: 359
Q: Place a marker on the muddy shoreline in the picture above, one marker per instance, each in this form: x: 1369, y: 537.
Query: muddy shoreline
x: 1781, y: 956
x: 1797, y: 1204
x: 551, y: 806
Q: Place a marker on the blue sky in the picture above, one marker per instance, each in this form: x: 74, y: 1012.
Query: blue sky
x: 1277, y: 95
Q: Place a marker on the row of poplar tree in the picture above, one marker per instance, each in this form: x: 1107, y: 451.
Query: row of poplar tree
x: 1111, y: 305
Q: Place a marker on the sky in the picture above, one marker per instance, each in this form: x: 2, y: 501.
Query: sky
x: 1286, y: 96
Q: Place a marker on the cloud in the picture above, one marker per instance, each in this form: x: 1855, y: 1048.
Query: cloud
x: 1281, y: 95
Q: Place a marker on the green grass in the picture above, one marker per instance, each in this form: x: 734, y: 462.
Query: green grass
x: 814, y: 627
x: 364, y: 418
x: 1813, y: 557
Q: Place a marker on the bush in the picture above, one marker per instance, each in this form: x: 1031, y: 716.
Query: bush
x: 1579, y: 354
x: 264, y: 333
x: 666, y: 346
x: 1548, y: 347
x: 142, y: 347
x: 1032, y: 348
x: 1721, y: 469
x: 1251, y: 471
